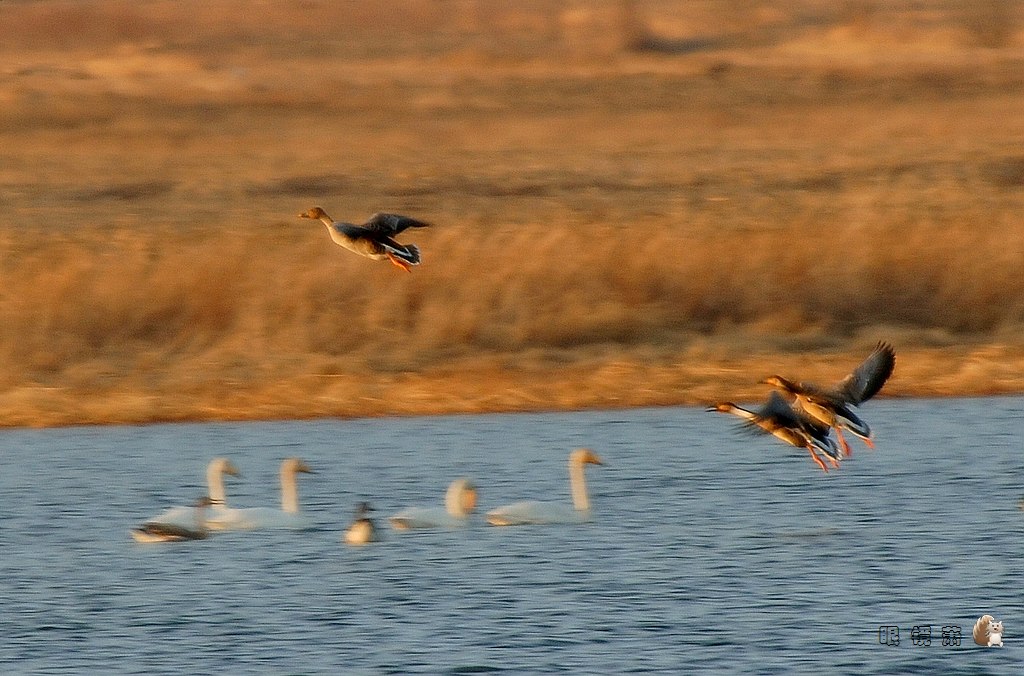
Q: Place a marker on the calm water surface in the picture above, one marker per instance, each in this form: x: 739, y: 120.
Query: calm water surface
x: 709, y: 550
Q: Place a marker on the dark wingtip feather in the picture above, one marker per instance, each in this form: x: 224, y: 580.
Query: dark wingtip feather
x: 393, y: 223
x: 413, y: 254
x: 868, y: 378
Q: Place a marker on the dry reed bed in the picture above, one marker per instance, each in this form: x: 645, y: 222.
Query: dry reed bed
x: 508, y: 289
x: 658, y: 222
x: 160, y: 326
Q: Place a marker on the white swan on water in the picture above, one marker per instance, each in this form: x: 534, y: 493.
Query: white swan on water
x: 534, y: 512
x: 252, y: 518
x: 185, y: 516
x: 362, y: 530
x: 459, y: 503
x: 154, y: 531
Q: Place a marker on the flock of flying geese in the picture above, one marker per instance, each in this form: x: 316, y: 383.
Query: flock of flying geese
x: 800, y: 414
x: 804, y: 415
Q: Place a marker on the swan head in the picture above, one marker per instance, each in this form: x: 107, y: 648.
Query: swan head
x: 315, y: 213
x: 295, y: 466
x: 224, y: 466
x: 460, y: 500
x: 585, y: 456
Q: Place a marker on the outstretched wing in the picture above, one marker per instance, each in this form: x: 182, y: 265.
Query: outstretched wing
x: 777, y: 412
x: 780, y: 411
x: 392, y: 224
x: 868, y: 378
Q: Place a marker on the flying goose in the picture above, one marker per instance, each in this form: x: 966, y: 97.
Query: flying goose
x: 836, y: 406
x: 374, y: 238
x: 778, y: 418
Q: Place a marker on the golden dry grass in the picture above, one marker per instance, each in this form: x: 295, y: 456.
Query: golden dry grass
x: 636, y: 203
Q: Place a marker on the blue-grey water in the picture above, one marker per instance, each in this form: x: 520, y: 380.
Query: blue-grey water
x: 709, y: 550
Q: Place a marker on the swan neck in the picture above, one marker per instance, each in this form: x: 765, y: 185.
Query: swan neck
x: 453, y: 504
x: 578, y: 484
x: 460, y: 499
x: 289, y: 492
x: 215, y: 484
x: 201, y: 518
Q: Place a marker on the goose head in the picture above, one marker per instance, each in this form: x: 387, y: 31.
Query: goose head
x: 362, y: 530
x: 201, y: 505
x: 722, y: 407
x: 780, y: 382
x: 315, y: 213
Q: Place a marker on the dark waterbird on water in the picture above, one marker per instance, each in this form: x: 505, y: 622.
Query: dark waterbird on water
x: 362, y: 529
x: 155, y: 531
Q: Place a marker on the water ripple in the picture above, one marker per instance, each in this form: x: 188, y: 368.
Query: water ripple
x: 708, y: 551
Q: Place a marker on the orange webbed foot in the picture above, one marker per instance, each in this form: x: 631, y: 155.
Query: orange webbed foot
x: 817, y: 461
x: 399, y: 263
x: 847, y: 451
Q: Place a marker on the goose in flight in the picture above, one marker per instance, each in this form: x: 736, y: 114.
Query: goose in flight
x: 836, y: 406
x: 536, y: 512
x: 459, y: 503
x: 362, y: 530
x: 778, y: 418
x: 374, y: 238
x: 155, y: 531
